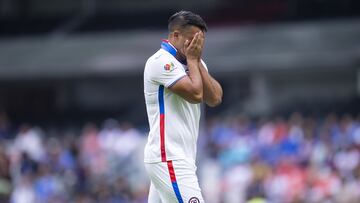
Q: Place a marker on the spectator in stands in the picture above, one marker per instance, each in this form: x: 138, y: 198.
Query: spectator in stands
x: 29, y: 140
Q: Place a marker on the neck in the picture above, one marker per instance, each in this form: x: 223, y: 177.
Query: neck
x: 171, y: 41
x: 178, y: 56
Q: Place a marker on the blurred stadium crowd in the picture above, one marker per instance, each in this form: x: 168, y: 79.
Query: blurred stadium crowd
x: 279, y: 160
x: 300, y: 159
x: 98, y: 165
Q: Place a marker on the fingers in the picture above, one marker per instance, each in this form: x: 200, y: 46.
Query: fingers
x: 187, y: 43
x: 201, y: 40
x: 198, y: 41
x: 194, y: 41
x: 193, y: 47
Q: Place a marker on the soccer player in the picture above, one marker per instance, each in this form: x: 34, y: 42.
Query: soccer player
x: 176, y: 81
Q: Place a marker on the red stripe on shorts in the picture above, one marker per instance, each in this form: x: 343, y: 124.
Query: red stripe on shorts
x: 171, y: 171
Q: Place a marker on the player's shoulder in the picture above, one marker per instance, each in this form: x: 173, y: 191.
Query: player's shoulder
x: 161, y: 56
x: 160, y: 59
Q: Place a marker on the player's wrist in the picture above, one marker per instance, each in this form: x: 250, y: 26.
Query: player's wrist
x: 192, y: 59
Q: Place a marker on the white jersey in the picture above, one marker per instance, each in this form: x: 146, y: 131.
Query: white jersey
x: 174, y: 122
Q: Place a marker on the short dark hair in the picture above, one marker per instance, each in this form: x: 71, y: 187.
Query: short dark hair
x: 183, y: 19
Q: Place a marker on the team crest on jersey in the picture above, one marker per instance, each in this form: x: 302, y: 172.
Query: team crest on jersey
x: 169, y: 67
x: 194, y: 200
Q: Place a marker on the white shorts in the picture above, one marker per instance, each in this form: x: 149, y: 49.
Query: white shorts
x: 173, y: 181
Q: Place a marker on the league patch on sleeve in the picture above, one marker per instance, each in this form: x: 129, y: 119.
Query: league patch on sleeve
x: 169, y: 67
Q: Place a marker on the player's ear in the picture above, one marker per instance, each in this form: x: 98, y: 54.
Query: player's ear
x: 176, y: 34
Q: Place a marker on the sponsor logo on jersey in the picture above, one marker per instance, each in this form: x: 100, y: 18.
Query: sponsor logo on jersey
x: 194, y: 200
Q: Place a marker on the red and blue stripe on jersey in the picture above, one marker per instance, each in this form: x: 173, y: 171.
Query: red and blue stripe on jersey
x: 162, y: 123
x: 167, y: 47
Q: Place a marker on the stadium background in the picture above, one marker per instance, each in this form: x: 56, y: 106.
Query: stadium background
x: 72, y: 114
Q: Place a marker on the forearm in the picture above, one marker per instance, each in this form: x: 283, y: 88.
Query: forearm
x: 195, y: 76
x: 212, y: 89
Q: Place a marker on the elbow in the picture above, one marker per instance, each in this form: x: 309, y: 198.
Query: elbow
x: 215, y: 102
x: 197, y: 98
x: 218, y: 101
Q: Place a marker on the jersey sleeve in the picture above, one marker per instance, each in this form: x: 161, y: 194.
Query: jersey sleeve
x: 166, y: 72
